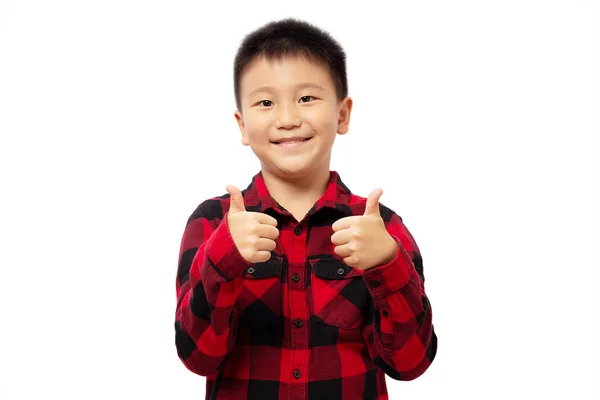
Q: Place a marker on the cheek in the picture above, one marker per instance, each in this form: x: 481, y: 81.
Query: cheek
x: 258, y: 142
x: 322, y: 119
x: 257, y: 133
x: 256, y: 121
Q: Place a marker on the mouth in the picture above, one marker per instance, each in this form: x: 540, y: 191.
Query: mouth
x: 292, y: 142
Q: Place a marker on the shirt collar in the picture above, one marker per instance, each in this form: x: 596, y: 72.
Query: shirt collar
x: 336, y: 197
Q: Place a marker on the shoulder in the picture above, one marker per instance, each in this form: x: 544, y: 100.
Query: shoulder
x: 213, y: 209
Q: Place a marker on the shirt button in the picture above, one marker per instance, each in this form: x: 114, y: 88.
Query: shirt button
x: 297, y: 374
x: 295, y: 278
x: 298, y: 322
x: 374, y: 284
x: 341, y: 271
x: 250, y: 270
x: 384, y: 313
x: 298, y: 231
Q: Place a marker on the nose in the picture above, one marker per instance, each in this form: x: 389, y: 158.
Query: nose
x: 286, y: 116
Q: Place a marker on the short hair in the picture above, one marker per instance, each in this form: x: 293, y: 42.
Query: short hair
x: 292, y: 37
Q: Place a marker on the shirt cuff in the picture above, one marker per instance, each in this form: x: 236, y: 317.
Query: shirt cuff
x: 223, y: 254
x: 384, y: 280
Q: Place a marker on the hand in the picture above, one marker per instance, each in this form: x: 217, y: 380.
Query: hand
x: 253, y: 233
x: 363, y: 240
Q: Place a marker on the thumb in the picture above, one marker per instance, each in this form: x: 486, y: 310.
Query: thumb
x: 372, y: 207
x: 237, y: 200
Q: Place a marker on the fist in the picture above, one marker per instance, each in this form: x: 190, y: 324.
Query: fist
x: 253, y: 233
x: 363, y: 240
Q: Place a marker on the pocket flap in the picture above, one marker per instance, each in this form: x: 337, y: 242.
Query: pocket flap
x: 326, y: 266
x: 266, y: 269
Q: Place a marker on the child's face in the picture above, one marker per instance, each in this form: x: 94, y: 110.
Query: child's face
x: 286, y: 109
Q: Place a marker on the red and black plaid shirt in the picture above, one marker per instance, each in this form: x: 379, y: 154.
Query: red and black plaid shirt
x: 302, y: 325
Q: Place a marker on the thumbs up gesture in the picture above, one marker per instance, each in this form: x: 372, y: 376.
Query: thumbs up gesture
x: 253, y: 233
x: 362, y: 240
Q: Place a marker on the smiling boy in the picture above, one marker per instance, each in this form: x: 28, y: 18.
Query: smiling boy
x: 295, y: 287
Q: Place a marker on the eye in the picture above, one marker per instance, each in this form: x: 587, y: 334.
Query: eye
x: 263, y: 101
x: 304, y: 97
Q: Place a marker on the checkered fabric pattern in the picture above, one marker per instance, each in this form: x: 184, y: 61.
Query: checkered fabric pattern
x: 302, y: 325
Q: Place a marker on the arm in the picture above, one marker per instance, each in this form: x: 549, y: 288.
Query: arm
x: 401, y: 338
x: 209, y: 280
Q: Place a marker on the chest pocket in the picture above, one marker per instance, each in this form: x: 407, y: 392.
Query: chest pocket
x: 260, y: 303
x: 339, y: 294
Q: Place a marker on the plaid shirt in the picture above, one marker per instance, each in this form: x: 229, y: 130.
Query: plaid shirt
x: 302, y: 325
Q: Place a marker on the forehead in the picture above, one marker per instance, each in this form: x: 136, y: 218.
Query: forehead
x: 284, y: 74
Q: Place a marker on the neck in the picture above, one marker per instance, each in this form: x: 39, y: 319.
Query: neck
x: 297, y: 191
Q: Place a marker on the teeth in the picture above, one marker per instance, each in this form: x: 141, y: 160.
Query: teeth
x: 293, y: 141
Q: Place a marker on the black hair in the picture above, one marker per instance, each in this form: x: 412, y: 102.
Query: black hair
x: 292, y: 37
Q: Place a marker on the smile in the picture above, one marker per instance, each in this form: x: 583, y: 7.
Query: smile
x: 292, y: 144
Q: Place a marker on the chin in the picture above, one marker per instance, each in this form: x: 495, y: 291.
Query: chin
x: 292, y: 169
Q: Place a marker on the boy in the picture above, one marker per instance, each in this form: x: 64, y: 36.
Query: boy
x: 297, y: 288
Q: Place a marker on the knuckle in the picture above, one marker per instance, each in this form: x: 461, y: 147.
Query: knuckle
x: 253, y: 228
x: 247, y: 255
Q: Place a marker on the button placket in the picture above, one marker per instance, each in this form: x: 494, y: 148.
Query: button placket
x: 298, y: 311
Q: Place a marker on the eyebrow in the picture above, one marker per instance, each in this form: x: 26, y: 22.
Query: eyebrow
x: 299, y: 86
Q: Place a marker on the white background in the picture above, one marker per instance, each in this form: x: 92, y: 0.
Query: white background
x: 116, y: 120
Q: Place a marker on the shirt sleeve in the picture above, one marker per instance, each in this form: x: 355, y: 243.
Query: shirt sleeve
x: 209, y: 280
x: 401, y: 337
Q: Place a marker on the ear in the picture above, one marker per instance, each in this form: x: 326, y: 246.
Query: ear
x: 345, y: 108
x: 240, y: 121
